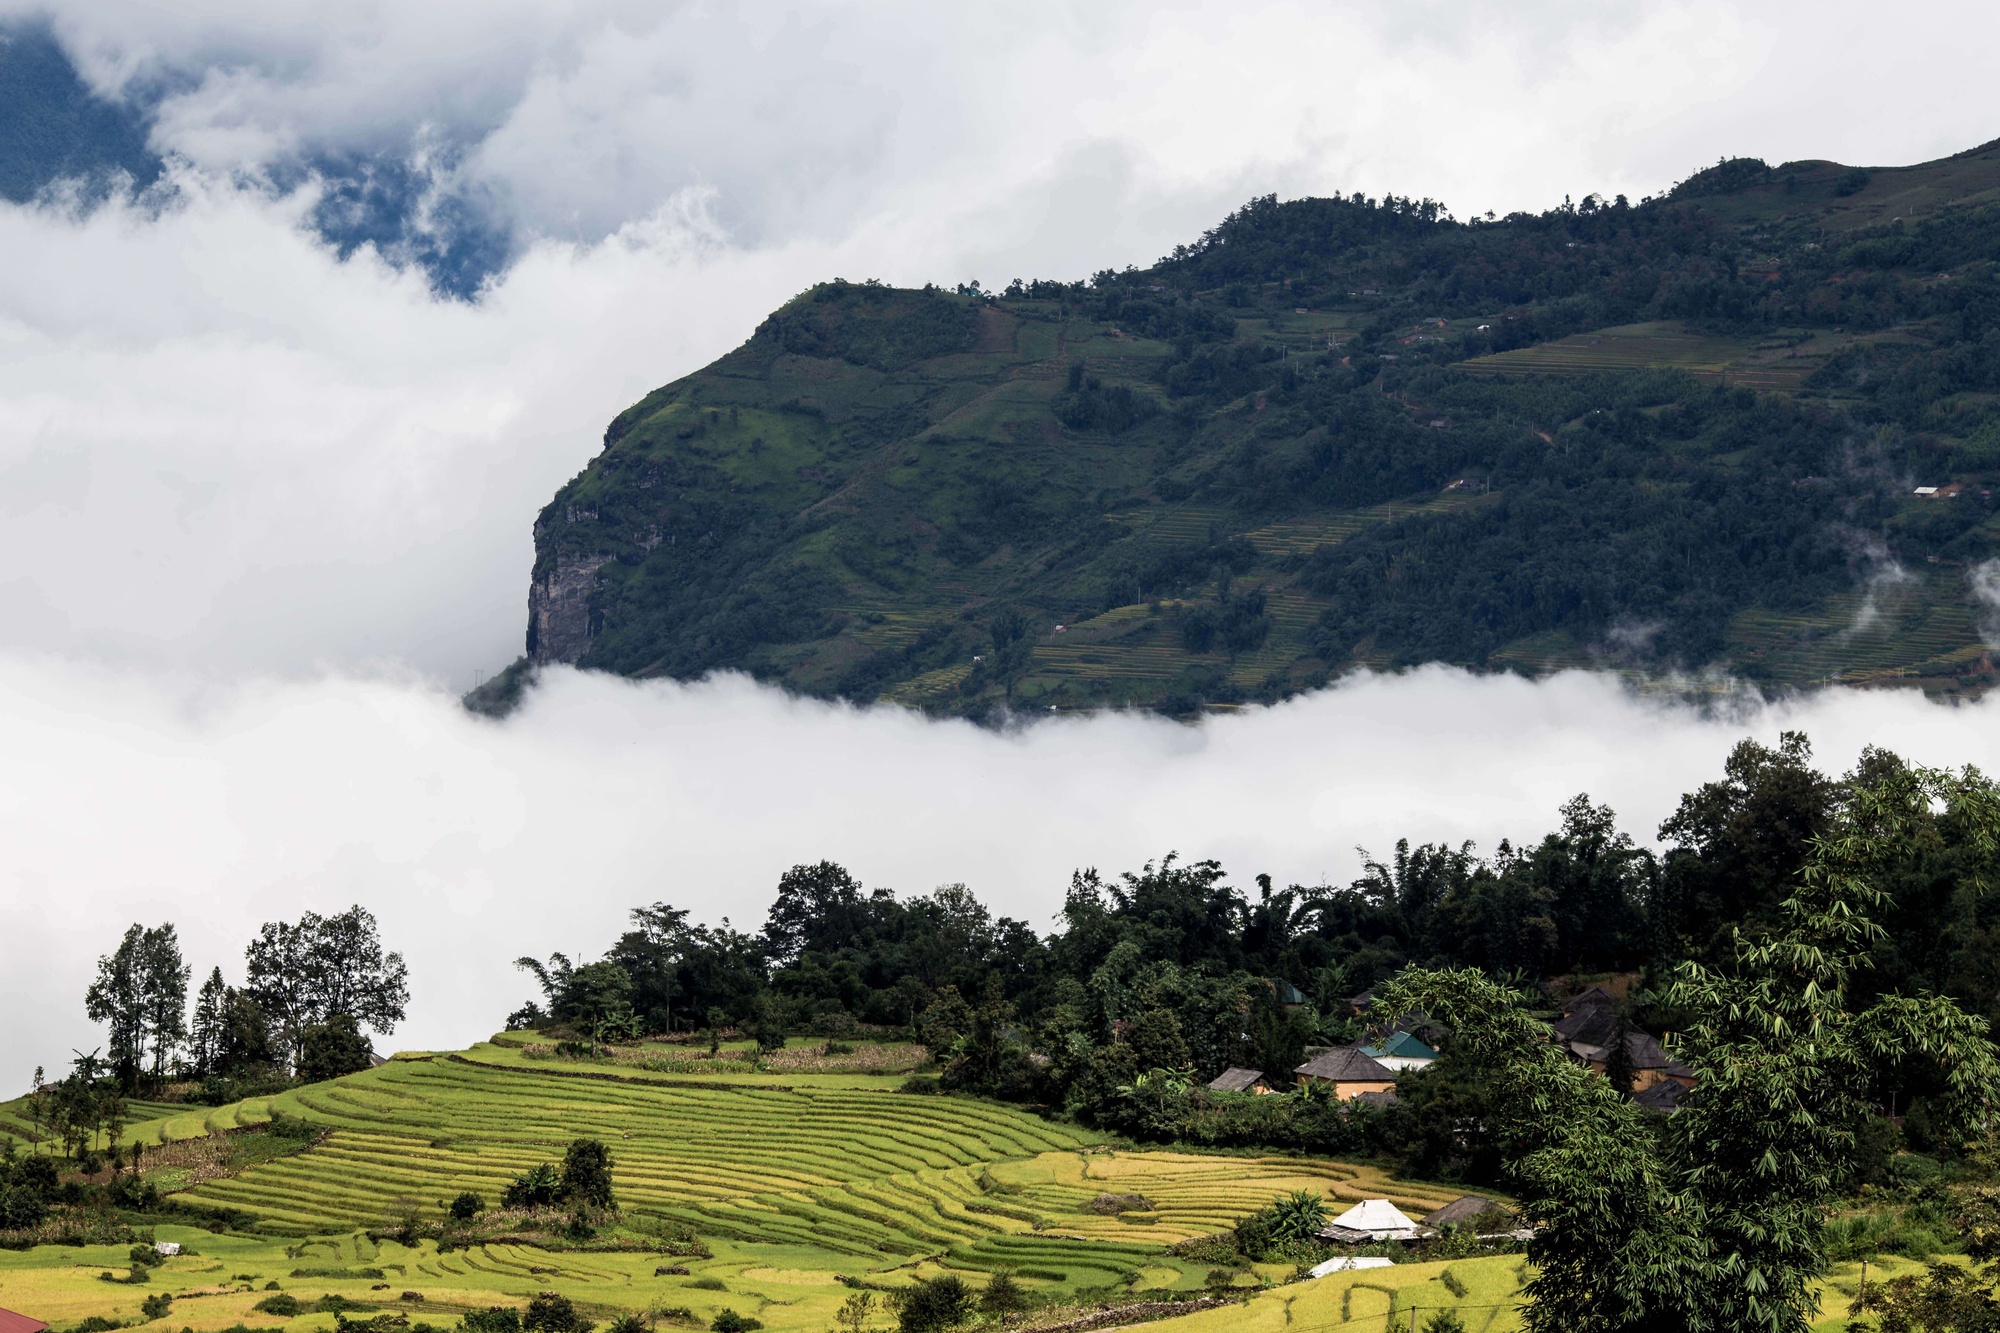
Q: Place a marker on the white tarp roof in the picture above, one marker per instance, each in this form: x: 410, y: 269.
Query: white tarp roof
x: 1349, y: 1261
x: 1376, y: 1215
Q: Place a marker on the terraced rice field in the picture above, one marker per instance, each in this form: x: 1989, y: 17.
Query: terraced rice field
x: 795, y: 1182
x: 1656, y: 346
x: 860, y: 1171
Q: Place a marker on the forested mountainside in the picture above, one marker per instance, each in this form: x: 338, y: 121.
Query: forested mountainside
x: 1753, y: 425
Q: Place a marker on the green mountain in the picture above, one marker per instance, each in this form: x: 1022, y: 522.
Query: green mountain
x: 1681, y: 434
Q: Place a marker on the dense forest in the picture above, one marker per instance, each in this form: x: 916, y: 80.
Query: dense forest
x: 1677, y: 434
x: 1173, y: 971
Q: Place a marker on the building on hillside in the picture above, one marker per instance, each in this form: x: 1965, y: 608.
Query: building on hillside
x: 1347, y: 1072
x: 1594, y: 997
x: 1289, y: 996
x: 1644, y: 1055
x: 1400, y: 1051
x: 1380, y: 1100
x: 1662, y: 1097
x: 1461, y: 1212
x: 1237, y: 1079
x: 11, y: 1322
x: 1358, y: 1004
x: 1370, y: 1220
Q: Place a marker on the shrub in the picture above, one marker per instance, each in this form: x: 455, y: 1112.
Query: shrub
x: 1296, y: 1216
x: 1003, y: 1295
x: 282, y: 1126
x: 370, y: 1273
x: 467, y: 1206
x: 1444, y: 1321
x: 97, y: 1323
x: 1111, y: 1204
x: 494, y: 1319
x: 334, y: 1303
x: 628, y: 1323
x: 283, y: 1304
x: 934, y: 1303
x: 708, y: 1284
x: 552, y: 1313
x: 537, y: 1187
x: 156, y: 1305
x: 922, y: 1085
x: 21, y: 1209
x: 671, y: 1270
x: 728, y: 1321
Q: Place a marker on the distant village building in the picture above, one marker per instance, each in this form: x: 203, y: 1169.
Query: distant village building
x: 1662, y: 1097
x: 1289, y: 996
x: 1348, y: 1072
x: 1590, y: 1029
x: 1400, y: 1051
x: 1237, y: 1079
x: 1461, y: 1212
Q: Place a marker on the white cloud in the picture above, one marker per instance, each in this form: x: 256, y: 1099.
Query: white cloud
x: 475, y: 842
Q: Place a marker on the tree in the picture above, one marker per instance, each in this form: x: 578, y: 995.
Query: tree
x: 303, y: 975
x: 652, y: 956
x: 1943, y: 1299
x: 245, y: 1042
x: 333, y: 1048
x: 818, y: 907
x: 929, y: 1304
x: 1618, y: 1071
x: 549, y: 1312
x: 466, y: 1206
x: 163, y: 983
x: 586, y: 1175
x: 351, y: 974
x: 854, y: 1311
x: 118, y: 998
x: 205, y: 1032
x: 1003, y: 1295
x: 1715, y: 1222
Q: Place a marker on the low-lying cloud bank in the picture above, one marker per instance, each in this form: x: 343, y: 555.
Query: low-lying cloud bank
x: 125, y: 799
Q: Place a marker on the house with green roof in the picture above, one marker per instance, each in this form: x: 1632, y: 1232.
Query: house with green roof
x: 1400, y: 1051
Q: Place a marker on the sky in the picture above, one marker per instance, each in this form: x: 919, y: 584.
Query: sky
x: 278, y: 410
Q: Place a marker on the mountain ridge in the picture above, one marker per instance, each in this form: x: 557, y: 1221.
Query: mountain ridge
x: 1330, y: 433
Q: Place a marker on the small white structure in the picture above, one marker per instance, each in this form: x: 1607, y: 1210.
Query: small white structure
x: 1372, y: 1219
x: 166, y: 1248
x: 1349, y: 1262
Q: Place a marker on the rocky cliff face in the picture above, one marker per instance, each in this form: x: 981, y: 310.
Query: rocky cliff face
x: 561, y: 622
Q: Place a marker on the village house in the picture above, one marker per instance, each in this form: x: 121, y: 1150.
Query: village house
x: 10, y: 1322
x: 1400, y: 1051
x: 1237, y: 1079
x: 1347, y: 1072
x: 1590, y: 1029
